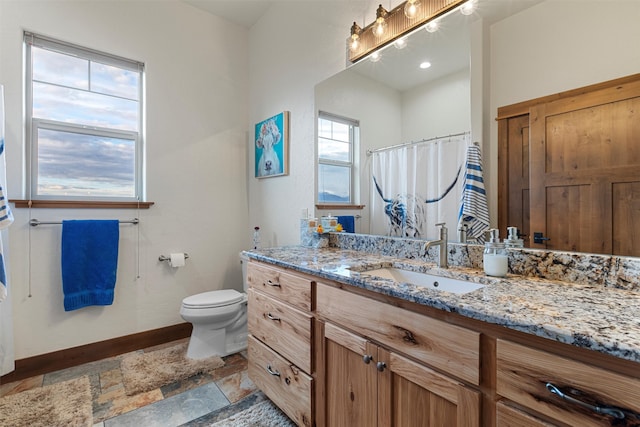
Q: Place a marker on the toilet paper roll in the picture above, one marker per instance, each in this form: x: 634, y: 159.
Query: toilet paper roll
x: 177, y: 260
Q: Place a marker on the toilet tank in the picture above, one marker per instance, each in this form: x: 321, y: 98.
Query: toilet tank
x: 244, y: 260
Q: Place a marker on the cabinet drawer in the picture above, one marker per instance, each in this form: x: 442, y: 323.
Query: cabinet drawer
x: 449, y: 348
x: 282, y: 327
x: 293, y: 289
x: 286, y: 385
x: 523, y: 374
x: 506, y: 416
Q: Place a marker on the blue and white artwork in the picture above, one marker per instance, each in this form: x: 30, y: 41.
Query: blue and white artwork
x: 271, y: 145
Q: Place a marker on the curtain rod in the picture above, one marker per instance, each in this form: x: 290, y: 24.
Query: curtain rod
x: 435, y: 138
x: 34, y: 222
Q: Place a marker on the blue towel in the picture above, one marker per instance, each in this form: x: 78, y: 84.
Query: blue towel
x: 89, y: 262
x: 474, y: 210
x: 348, y: 223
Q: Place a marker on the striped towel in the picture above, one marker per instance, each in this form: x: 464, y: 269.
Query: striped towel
x: 474, y: 210
x: 6, y: 218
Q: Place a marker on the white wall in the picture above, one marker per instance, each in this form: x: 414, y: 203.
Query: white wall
x: 438, y: 108
x: 556, y: 46
x: 293, y: 47
x: 197, y: 116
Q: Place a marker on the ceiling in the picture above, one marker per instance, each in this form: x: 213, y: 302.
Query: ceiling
x: 241, y: 12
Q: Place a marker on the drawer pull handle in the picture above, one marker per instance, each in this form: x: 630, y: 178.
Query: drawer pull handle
x: 614, y: 412
x: 272, y: 317
x: 380, y: 366
x: 272, y: 372
x: 274, y: 284
x: 367, y: 358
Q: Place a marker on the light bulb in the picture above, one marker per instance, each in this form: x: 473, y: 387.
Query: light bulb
x: 468, y: 8
x: 424, y: 65
x: 375, y: 57
x: 400, y: 43
x: 411, y: 8
x: 354, y: 40
x: 380, y: 26
x: 432, y: 26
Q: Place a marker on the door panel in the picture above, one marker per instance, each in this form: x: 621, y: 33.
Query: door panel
x: 584, y: 160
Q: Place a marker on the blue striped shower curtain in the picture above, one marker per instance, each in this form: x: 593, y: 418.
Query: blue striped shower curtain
x: 415, y: 186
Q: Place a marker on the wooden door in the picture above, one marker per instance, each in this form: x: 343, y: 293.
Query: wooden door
x: 585, y: 172
x: 514, y: 189
x: 351, y: 383
x: 412, y: 395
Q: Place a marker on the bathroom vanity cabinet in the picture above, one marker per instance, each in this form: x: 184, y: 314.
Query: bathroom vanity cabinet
x: 280, y: 344
x: 373, y: 382
x: 340, y: 355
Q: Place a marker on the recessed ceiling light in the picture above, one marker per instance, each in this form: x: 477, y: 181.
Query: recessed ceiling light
x: 424, y: 65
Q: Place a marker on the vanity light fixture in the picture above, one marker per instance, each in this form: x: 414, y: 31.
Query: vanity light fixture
x: 375, y: 57
x: 392, y: 25
x: 380, y: 26
x: 424, y: 65
x: 411, y: 8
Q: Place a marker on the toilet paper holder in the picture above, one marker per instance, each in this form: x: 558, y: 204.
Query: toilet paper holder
x: 166, y: 258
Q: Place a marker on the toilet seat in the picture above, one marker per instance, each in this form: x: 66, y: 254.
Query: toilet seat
x: 213, y: 299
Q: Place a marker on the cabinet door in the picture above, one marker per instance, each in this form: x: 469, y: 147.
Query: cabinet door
x: 412, y: 395
x: 350, y: 382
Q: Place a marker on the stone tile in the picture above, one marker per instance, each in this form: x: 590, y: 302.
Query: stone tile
x: 225, y: 412
x: 232, y: 364
x: 22, y: 385
x: 236, y: 386
x: 116, y: 403
x: 175, y: 410
x: 186, y: 384
x: 110, y: 380
x: 80, y: 370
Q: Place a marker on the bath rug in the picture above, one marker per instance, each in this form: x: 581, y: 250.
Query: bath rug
x: 66, y: 403
x: 147, y: 371
x: 263, y: 414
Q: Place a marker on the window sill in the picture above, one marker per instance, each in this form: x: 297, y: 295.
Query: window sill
x: 339, y: 207
x: 68, y: 204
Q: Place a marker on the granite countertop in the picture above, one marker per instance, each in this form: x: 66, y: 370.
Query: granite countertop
x: 596, y: 318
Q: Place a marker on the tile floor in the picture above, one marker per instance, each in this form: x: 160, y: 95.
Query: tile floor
x: 197, y: 401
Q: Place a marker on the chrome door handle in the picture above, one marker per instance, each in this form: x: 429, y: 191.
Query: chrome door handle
x: 272, y: 372
x: 614, y: 412
x: 367, y: 358
x: 380, y: 366
x: 272, y: 317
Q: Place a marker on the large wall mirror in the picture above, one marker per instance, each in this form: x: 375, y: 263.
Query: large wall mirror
x: 396, y: 100
x: 507, y: 53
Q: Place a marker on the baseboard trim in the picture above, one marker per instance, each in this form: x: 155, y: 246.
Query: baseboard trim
x: 50, y: 362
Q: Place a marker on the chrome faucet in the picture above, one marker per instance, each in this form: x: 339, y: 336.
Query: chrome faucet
x: 442, y: 242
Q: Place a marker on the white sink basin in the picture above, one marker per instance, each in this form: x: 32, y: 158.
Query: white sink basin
x: 426, y: 280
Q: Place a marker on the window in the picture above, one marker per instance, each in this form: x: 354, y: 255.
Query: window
x: 337, y: 141
x: 84, y: 123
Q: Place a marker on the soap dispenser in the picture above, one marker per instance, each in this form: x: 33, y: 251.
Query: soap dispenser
x: 512, y: 240
x: 495, y: 256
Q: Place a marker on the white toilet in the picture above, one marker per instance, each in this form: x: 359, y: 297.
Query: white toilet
x: 219, y: 320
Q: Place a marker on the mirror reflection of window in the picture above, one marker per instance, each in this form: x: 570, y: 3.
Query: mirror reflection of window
x: 338, y: 138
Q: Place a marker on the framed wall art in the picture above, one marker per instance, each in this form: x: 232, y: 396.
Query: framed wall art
x: 272, y: 146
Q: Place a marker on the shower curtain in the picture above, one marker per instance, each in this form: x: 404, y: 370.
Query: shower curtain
x: 416, y: 186
x: 6, y: 218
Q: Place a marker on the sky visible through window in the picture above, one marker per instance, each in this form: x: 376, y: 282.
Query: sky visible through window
x: 72, y: 160
x: 334, y: 145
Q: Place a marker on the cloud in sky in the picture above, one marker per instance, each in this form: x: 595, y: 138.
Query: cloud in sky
x: 72, y: 90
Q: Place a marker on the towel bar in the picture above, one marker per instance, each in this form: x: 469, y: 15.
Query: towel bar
x: 34, y: 222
